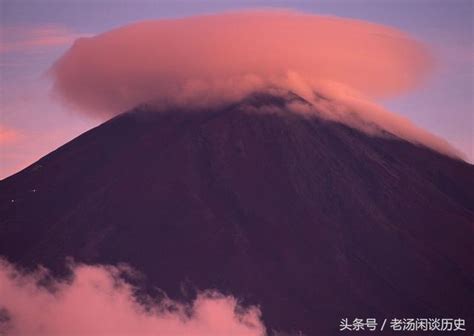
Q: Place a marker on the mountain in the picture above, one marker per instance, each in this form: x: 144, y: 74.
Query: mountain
x: 312, y: 220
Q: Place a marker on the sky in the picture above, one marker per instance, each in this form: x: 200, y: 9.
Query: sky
x: 34, y: 34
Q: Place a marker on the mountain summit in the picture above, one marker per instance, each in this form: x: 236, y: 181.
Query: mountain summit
x: 310, y: 219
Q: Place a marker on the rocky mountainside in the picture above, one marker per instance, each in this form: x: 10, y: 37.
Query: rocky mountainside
x: 312, y: 220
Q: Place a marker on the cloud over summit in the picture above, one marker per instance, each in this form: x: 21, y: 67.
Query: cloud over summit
x: 211, y: 59
x: 222, y: 56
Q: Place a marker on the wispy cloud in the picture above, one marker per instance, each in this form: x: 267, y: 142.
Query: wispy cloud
x: 8, y: 135
x: 20, y: 39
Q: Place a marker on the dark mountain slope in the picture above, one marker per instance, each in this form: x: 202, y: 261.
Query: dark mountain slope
x: 311, y: 219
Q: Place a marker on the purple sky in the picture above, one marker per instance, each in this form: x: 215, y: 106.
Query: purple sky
x: 35, y: 33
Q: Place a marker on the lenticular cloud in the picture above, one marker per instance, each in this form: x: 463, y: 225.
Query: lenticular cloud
x: 218, y: 57
x: 98, y: 302
x: 204, y: 61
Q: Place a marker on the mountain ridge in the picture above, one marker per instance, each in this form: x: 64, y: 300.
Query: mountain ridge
x: 310, y: 219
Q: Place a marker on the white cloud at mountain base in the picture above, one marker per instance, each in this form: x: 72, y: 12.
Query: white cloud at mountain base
x: 97, y: 301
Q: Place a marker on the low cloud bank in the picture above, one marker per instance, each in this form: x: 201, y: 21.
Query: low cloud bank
x: 97, y: 301
x: 207, y: 60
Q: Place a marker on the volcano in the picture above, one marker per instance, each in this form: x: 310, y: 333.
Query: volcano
x: 309, y: 219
